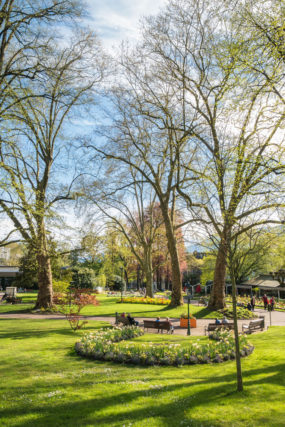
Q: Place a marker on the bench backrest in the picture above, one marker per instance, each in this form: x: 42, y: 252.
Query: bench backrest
x: 256, y: 322
x: 154, y: 324
x: 213, y: 326
x: 123, y: 320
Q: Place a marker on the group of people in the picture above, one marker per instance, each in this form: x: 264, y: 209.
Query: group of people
x: 168, y: 321
x: 221, y: 322
x: 268, y: 304
x: 131, y: 319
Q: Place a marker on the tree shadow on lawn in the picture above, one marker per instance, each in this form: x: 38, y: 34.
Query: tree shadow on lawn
x: 35, y: 332
x: 85, y: 410
x: 21, y: 311
x: 165, y: 311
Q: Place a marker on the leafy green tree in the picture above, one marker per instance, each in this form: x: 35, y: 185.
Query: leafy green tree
x: 35, y: 130
x: 83, y: 278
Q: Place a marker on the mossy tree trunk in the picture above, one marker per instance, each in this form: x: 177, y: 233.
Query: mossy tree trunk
x: 176, y: 296
x: 148, y: 271
x: 45, y: 294
x: 217, y: 297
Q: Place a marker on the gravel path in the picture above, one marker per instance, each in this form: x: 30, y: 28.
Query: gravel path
x: 277, y: 319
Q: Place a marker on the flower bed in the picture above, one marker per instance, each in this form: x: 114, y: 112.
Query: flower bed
x: 220, y: 334
x: 279, y: 305
x: 242, y: 313
x: 105, y: 345
x: 145, y: 300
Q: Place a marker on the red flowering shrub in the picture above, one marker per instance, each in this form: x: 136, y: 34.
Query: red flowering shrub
x: 71, y: 304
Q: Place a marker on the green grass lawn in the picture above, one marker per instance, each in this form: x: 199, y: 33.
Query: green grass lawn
x: 44, y: 383
x: 108, y: 307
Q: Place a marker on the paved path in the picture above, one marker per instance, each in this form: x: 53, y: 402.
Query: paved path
x: 277, y: 319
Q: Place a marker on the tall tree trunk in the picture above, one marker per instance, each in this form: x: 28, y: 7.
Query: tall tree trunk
x: 45, y: 293
x: 217, y: 298
x: 176, y: 296
x: 148, y: 272
x: 237, y: 348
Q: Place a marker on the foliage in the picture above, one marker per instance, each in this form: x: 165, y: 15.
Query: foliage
x: 71, y: 304
x: 60, y: 286
x: 103, y: 346
x: 83, y: 278
x: 242, y: 313
x: 185, y: 316
x: 220, y: 334
x: 145, y: 300
x: 208, y: 268
x: 100, y: 281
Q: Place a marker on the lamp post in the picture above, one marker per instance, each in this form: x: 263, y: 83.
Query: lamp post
x: 188, y: 324
x: 121, y: 268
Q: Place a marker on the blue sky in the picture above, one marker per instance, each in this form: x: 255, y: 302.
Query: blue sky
x: 117, y: 20
x: 113, y: 21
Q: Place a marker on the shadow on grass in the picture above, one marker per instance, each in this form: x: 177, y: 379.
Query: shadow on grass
x: 86, y: 412
x: 36, y: 332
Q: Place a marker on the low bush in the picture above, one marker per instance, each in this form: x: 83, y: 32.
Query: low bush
x: 70, y: 304
x: 145, y: 300
x: 242, y: 313
x: 185, y: 316
x: 106, y: 345
x: 220, y: 334
x: 60, y: 286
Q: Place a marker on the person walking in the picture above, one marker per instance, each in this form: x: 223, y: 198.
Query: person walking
x: 252, y: 302
x: 272, y: 303
x: 265, y: 301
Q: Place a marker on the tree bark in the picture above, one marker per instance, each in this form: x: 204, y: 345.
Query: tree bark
x: 176, y: 296
x: 148, y: 273
x: 45, y: 293
x: 237, y: 347
x: 217, y: 298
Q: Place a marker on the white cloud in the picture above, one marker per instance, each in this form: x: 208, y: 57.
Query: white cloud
x: 117, y: 20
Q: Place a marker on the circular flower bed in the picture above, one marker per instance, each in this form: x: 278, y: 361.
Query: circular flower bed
x: 145, y: 300
x: 105, y: 345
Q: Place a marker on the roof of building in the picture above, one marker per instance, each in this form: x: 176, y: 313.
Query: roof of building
x: 9, y: 271
x: 262, y: 281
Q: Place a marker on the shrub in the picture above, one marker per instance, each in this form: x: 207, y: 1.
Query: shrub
x: 185, y: 316
x: 145, y: 300
x: 71, y: 304
x: 60, y: 286
x: 242, y: 313
x: 83, y: 278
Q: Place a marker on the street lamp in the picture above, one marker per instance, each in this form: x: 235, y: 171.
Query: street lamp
x: 121, y: 268
x: 188, y: 302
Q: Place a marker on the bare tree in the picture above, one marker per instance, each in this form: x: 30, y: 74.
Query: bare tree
x: 134, y: 211
x: 143, y: 137
x: 230, y: 167
x: 25, y: 30
x: 35, y: 131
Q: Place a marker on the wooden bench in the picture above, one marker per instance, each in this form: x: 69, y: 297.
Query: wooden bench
x: 254, y: 325
x: 13, y: 300
x: 213, y: 326
x: 159, y: 325
x: 123, y: 320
